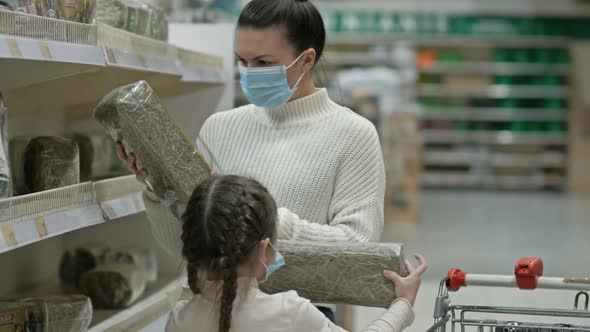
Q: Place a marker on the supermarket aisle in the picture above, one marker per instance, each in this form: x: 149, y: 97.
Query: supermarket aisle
x: 487, y: 233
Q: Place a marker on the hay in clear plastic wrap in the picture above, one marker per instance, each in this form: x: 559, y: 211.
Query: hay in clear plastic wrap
x: 86, y: 152
x: 141, y: 257
x: 74, y: 263
x: 5, y: 174
x: 133, y: 16
x: 51, y: 162
x: 71, y: 313
x: 134, y: 115
x: 111, y: 12
x: 338, y: 272
x: 17, y: 147
x: 113, y: 286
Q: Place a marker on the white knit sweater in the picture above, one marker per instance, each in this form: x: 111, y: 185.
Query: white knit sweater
x: 322, y: 163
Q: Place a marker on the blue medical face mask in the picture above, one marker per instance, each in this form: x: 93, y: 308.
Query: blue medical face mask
x: 270, y: 269
x: 268, y: 86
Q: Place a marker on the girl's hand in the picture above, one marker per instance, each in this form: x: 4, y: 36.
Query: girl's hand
x: 407, y: 287
x: 129, y: 161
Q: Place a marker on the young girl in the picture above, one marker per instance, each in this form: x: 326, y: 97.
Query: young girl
x: 229, y: 233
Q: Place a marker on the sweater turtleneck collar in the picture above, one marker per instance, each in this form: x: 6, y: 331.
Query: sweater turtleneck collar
x: 302, y: 110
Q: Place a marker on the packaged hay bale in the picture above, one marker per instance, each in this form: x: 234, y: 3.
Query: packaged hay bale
x: 135, y: 116
x: 17, y: 147
x: 346, y: 273
x: 113, y: 286
x: 51, y: 162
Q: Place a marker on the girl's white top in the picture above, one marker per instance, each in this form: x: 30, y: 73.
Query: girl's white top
x: 256, y: 311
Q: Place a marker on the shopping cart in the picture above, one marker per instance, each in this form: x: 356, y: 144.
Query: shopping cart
x: 528, y: 275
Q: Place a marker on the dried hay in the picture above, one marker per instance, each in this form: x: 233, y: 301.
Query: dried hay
x: 338, y: 272
x: 51, y: 162
x: 134, y: 115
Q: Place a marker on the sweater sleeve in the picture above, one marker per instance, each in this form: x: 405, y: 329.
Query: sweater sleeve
x: 356, y: 209
x: 306, y: 317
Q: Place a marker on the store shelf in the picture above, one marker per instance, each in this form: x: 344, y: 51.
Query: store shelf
x: 488, y: 68
x: 158, y: 300
x: 344, y: 38
x: 356, y: 59
x: 495, y: 159
x: 494, y: 114
x: 98, y: 57
x: 462, y: 180
x: 32, y: 218
x: 494, y: 91
x: 487, y: 137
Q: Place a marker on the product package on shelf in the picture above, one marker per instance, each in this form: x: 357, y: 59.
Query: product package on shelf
x: 141, y: 257
x: 81, y: 11
x: 86, y: 151
x: 5, y: 177
x: 342, y: 273
x: 74, y: 263
x: 71, y: 313
x: 135, y: 116
x: 133, y: 16
x: 17, y: 147
x: 113, y: 286
x: 51, y: 162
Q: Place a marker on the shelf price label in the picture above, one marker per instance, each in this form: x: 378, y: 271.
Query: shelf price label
x: 26, y: 232
x: 123, y: 206
x: 8, y: 236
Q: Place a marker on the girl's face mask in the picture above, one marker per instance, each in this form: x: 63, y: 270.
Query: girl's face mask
x: 278, y: 263
x: 268, y: 87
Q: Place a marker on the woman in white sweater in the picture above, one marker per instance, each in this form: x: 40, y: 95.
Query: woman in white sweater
x: 322, y: 162
x: 229, y: 227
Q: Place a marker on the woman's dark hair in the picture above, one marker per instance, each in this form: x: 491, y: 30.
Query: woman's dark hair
x: 300, y: 19
x: 225, y: 219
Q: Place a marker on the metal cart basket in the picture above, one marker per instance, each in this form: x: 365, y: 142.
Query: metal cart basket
x: 528, y: 275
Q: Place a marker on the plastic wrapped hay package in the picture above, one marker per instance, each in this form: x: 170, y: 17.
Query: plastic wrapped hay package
x: 74, y: 263
x: 142, y: 257
x: 5, y: 177
x: 51, y: 162
x: 111, y: 12
x: 113, y: 286
x: 17, y: 147
x: 338, y: 272
x: 86, y: 152
x: 72, y: 313
x: 134, y: 115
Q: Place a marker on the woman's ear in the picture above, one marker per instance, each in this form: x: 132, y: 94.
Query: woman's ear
x: 309, y: 59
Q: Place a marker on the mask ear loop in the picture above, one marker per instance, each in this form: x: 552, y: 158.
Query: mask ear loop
x: 300, y: 77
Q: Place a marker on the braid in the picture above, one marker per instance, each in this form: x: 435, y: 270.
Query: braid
x: 225, y: 219
x: 193, y: 277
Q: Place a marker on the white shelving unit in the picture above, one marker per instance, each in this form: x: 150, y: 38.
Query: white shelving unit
x: 52, y: 80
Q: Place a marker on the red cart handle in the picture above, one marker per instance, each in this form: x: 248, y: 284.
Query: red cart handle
x: 527, y: 272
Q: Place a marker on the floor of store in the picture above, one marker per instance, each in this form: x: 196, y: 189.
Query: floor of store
x: 486, y: 233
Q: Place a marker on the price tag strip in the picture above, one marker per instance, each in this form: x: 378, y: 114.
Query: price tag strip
x: 123, y: 206
x: 23, y: 233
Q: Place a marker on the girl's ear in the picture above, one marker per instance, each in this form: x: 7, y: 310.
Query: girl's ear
x: 262, y: 251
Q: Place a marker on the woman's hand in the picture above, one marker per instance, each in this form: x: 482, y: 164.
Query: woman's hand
x: 129, y: 161
x: 407, y: 287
